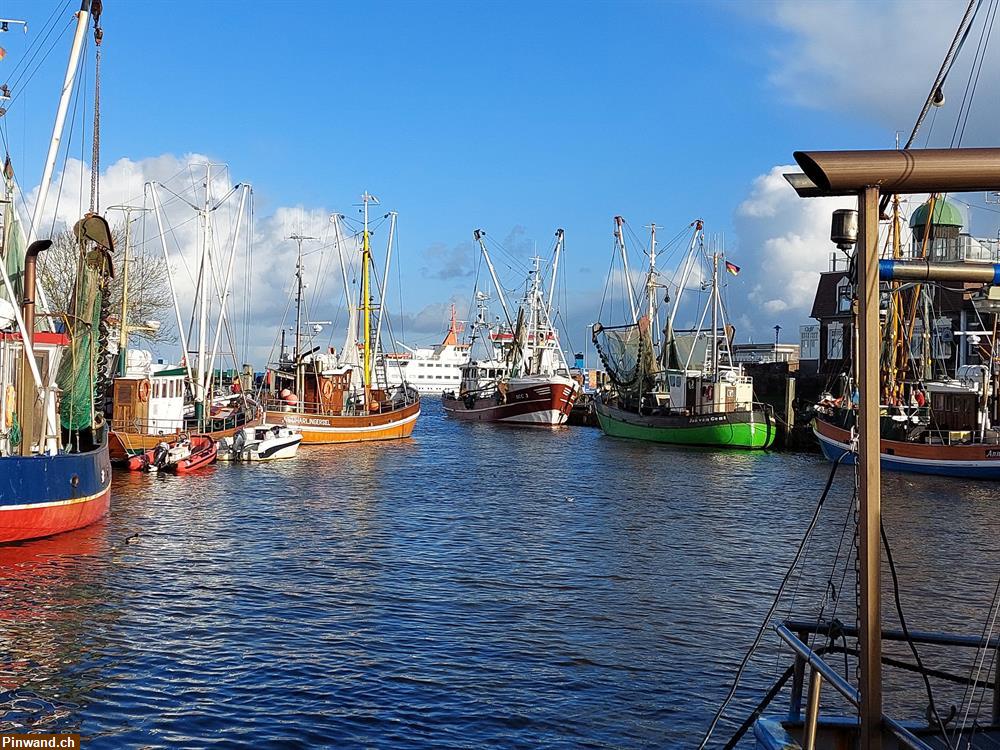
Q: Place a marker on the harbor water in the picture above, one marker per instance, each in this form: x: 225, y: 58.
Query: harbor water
x: 473, y: 586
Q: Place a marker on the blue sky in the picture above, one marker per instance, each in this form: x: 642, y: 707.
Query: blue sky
x: 499, y: 115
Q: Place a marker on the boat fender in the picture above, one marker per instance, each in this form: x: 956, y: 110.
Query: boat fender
x: 144, y: 389
x: 10, y: 399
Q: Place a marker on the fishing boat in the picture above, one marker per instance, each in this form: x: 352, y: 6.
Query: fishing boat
x: 689, y: 392
x: 53, y: 440
x: 430, y: 370
x: 524, y: 378
x: 155, y: 403
x: 346, y: 398
x: 262, y: 442
x: 932, y: 421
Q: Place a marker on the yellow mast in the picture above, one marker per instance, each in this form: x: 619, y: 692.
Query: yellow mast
x: 366, y: 306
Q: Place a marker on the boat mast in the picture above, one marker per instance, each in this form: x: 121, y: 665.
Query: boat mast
x: 478, y: 235
x: 384, y: 289
x: 299, y: 377
x: 82, y: 19
x: 715, y: 313
x: 199, y: 394
x: 685, y: 274
x: 620, y: 241
x: 555, y: 268
x: 366, y: 299
x: 651, y: 285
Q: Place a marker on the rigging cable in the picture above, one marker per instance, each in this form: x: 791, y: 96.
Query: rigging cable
x: 906, y: 634
x: 774, y: 604
x: 964, y: 27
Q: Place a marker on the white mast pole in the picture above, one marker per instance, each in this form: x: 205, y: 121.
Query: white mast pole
x: 170, y: 280
x: 229, y: 273
x: 685, y: 275
x: 82, y: 19
x: 201, y: 386
x: 555, y: 267
x: 478, y: 236
x: 385, y: 282
x: 715, y: 313
x: 651, y: 285
x: 620, y: 237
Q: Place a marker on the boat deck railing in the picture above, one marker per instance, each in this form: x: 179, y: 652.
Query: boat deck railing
x: 795, y: 633
x: 350, y: 409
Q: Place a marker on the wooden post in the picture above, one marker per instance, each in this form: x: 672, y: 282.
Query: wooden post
x: 789, y: 411
x: 869, y: 489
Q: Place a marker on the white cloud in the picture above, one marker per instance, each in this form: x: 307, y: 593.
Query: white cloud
x: 784, y: 245
x: 270, y: 268
x: 879, y: 60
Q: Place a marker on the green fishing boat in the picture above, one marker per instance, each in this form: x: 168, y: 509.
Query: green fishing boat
x: 685, y: 389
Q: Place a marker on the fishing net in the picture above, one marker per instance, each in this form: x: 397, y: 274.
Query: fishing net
x: 626, y: 352
x: 13, y: 255
x: 82, y: 369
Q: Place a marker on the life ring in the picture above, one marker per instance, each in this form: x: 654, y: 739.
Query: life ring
x: 144, y: 389
x: 9, y: 399
x: 327, y: 389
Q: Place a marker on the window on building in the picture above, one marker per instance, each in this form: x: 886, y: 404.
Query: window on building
x: 844, y: 295
x: 835, y: 341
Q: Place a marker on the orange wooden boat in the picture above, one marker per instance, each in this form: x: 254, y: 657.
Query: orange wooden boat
x: 342, y: 399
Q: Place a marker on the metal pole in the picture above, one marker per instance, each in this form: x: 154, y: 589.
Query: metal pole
x: 225, y: 284
x: 651, y: 288
x: 812, y: 710
x: 385, y: 285
x: 620, y: 236
x: 869, y: 489
x: 170, y: 281
x: 555, y: 269
x: 478, y: 235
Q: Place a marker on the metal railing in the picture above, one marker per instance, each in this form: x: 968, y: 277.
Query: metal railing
x: 795, y: 634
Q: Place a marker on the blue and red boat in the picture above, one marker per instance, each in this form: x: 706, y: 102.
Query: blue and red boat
x: 43, y: 495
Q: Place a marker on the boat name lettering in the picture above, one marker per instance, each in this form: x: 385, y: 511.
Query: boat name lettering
x: 305, y: 420
x: 992, y: 453
x: 708, y: 419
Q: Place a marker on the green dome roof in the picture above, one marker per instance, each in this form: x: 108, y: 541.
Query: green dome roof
x: 945, y: 215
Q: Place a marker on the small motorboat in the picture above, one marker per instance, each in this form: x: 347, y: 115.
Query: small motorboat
x: 260, y: 443
x: 198, y: 451
x: 160, y: 456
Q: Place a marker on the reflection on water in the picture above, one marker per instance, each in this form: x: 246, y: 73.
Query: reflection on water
x: 474, y: 585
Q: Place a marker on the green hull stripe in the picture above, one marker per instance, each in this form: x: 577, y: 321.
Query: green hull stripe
x: 738, y: 435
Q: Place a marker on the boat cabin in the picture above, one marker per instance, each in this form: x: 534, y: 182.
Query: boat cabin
x: 149, y: 398
x: 48, y: 348
x: 695, y: 392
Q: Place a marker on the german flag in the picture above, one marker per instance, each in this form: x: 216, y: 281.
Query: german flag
x: 732, y: 268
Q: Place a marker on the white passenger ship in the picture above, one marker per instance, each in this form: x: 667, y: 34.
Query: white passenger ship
x: 430, y: 370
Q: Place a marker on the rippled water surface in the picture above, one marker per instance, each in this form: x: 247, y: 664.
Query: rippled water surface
x: 475, y: 585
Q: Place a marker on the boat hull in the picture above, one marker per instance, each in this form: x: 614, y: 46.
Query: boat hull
x: 544, y: 404
x: 324, y: 429
x: 975, y: 461
x: 45, y: 495
x: 741, y: 430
